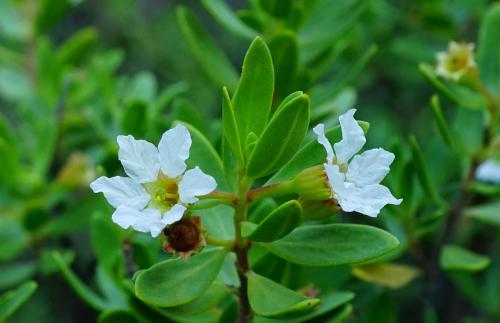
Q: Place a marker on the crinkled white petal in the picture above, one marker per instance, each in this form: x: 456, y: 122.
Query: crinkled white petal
x: 139, y: 159
x: 121, y: 191
x: 195, y: 183
x: 174, y: 150
x: 353, y: 137
x: 174, y: 214
x: 489, y: 171
x: 125, y: 216
x: 336, y: 179
x: 368, y: 200
x: 149, y: 220
x: 319, y: 130
x: 370, y: 167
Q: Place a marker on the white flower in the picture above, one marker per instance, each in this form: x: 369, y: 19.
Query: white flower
x: 355, y: 181
x: 489, y: 171
x: 456, y: 61
x: 157, y: 190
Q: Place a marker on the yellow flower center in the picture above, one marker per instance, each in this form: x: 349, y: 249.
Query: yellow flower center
x: 164, y: 192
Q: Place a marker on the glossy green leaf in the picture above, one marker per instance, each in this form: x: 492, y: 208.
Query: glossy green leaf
x: 276, y: 225
x: 312, y: 154
x: 456, y: 258
x: 84, y: 292
x: 333, y: 244
x: 231, y: 132
x: 176, y: 281
x: 253, y: 97
x: 422, y: 172
x: 488, y: 53
x: 284, y: 48
x: 488, y: 213
x: 437, y: 112
x: 11, y: 301
x: 386, y: 274
x: 117, y: 316
x: 458, y: 94
x: 270, y: 299
x: 209, y: 299
x: 281, y: 138
x: 211, y: 58
x: 227, y: 18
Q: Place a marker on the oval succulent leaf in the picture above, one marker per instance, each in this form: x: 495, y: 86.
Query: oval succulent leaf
x: 276, y: 225
x: 270, y: 299
x: 175, y: 281
x: 281, y: 138
x: 333, y: 244
x: 254, y: 94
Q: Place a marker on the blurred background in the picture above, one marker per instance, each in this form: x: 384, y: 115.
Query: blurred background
x: 74, y: 74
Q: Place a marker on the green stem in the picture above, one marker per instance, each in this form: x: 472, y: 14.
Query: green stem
x: 228, y: 244
x: 225, y: 197
x: 273, y: 190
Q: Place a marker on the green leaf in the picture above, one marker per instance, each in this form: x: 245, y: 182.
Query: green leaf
x: 423, y: 174
x: 284, y: 48
x: 134, y: 117
x: 489, y: 213
x: 76, y: 49
x: 253, y: 97
x: 107, y: 244
x: 177, y: 281
x: 333, y: 244
x: 211, y: 58
x: 456, y: 258
x: 12, y: 300
x: 13, y: 238
x: 458, y: 94
x: 277, y: 8
x: 85, y: 293
x: 437, y: 112
x: 14, y: 274
x: 312, y: 154
x: 231, y: 132
x: 209, y: 299
x: 183, y: 110
x: 386, y: 274
x: 276, y: 225
x: 281, y: 138
x: 488, y: 53
x: 117, y: 316
x: 227, y: 19
x: 270, y: 299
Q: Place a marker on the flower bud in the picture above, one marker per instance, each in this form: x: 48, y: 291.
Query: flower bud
x: 184, y: 237
x: 312, y: 184
x: 315, y: 210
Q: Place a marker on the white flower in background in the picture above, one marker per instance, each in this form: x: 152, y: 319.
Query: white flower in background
x: 157, y: 189
x: 457, y: 61
x: 489, y: 171
x: 355, y: 181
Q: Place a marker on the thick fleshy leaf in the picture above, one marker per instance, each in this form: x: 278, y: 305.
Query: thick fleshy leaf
x: 488, y: 54
x: 456, y: 258
x: 353, y: 138
x: 195, y: 183
x: 333, y: 244
x: 211, y: 58
x: 209, y: 299
x: 174, y: 150
x: 139, y: 159
x: 281, y: 138
x: 270, y: 299
x: 11, y: 301
x: 284, y: 49
x: 276, y: 225
x: 253, y: 97
x: 370, y: 167
x: 225, y: 17
x: 386, y: 274
x: 488, y: 213
x: 176, y: 281
x: 121, y: 191
x: 312, y: 154
x: 231, y: 132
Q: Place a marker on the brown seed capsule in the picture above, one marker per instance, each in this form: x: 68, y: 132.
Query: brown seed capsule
x: 184, y: 237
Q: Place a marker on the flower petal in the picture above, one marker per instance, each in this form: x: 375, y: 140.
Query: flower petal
x: 125, y: 216
x: 370, y: 167
x: 489, y: 171
x: 368, y: 200
x: 139, y: 159
x: 353, y: 137
x: 319, y: 130
x: 174, y: 214
x: 195, y: 183
x: 121, y: 191
x: 174, y: 150
x: 149, y: 220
